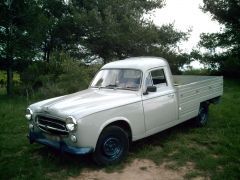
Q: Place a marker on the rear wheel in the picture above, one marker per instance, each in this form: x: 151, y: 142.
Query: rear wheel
x: 112, y: 146
x: 202, y: 118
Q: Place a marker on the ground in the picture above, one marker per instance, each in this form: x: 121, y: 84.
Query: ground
x: 143, y: 169
x: 181, y: 152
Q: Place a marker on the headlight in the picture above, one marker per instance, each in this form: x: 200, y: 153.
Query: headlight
x: 28, y: 114
x: 71, y: 123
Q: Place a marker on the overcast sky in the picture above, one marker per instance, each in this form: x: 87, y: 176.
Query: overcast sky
x: 186, y: 14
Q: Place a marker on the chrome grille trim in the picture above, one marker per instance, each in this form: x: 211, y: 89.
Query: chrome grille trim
x: 51, y: 125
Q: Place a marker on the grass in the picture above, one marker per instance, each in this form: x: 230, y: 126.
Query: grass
x: 214, y: 149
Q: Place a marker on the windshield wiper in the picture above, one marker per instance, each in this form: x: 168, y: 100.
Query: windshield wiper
x: 108, y: 86
x: 111, y: 86
x: 128, y: 88
x: 114, y: 86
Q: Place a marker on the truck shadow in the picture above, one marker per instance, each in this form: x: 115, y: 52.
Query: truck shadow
x: 158, y: 139
x: 64, y: 160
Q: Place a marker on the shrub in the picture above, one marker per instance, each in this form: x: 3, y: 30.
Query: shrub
x: 63, y: 75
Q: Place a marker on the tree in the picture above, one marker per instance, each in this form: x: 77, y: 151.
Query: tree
x: 109, y: 29
x: 224, y: 47
x: 115, y: 29
x: 55, y: 28
x: 17, y: 37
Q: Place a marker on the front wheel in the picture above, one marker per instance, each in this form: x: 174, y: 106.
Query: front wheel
x: 202, y: 118
x: 112, y: 146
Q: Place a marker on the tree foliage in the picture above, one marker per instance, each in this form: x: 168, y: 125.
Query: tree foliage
x: 17, y: 34
x: 224, y: 46
x: 107, y: 29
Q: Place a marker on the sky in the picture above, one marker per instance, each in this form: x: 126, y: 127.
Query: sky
x: 186, y: 14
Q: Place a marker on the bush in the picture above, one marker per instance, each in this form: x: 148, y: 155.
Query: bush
x: 63, y: 75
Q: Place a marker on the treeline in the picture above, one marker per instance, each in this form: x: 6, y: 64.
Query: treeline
x: 38, y: 38
x: 34, y: 32
x: 221, y: 50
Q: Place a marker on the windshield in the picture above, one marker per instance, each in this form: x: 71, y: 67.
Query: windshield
x: 129, y: 79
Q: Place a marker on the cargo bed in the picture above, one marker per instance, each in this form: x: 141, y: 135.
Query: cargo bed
x: 192, y: 90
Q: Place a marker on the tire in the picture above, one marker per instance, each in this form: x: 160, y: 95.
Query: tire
x: 202, y: 118
x: 112, y: 146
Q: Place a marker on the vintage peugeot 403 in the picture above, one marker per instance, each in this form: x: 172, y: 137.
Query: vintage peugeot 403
x: 127, y: 100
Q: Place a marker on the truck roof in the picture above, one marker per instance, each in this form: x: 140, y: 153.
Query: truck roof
x: 141, y: 63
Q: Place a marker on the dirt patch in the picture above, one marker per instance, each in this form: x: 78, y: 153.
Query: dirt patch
x: 139, y: 169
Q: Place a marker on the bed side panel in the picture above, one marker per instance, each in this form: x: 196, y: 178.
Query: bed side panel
x: 191, y: 95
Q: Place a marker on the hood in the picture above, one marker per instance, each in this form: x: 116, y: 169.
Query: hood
x: 85, y: 102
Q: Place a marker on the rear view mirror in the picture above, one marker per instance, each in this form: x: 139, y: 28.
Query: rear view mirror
x: 150, y: 89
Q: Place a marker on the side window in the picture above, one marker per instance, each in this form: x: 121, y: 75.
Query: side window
x: 158, y: 78
x: 149, y: 80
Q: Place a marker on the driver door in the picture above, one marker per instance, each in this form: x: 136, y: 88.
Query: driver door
x: 160, y: 107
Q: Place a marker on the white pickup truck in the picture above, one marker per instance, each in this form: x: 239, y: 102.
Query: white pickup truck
x: 127, y: 100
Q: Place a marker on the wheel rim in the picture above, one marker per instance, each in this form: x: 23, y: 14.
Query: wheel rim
x: 112, y: 147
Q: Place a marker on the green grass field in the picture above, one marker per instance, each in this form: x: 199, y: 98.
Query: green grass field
x: 214, y: 149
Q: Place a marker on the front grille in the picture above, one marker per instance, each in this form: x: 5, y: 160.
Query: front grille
x: 51, y: 125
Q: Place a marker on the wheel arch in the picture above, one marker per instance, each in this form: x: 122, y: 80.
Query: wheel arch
x: 215, y: 100
x: 120, y: 122
x: 204, y: 103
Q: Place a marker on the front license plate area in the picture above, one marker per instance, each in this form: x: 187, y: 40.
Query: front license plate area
x: 52, y: 137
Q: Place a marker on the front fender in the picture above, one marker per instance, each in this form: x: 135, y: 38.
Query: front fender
x: 112, y: 120
x: 90, y: 127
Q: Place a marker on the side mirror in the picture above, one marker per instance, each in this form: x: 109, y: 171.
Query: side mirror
x: 150, y: 89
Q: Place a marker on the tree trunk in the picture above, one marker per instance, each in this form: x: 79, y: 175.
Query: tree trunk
x: 9, y: 51
x: 48, y: 55
x: 46, y: 51
x: 9, y: 81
